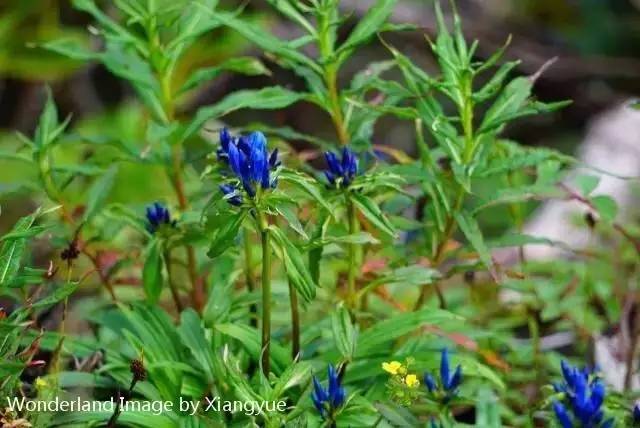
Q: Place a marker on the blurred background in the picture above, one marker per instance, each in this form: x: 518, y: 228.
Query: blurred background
x: 596, y: 43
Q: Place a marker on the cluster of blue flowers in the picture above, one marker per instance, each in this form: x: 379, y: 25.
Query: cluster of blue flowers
x: 341, y: 172
x: 250, y: 162
x: 584, y: 394
x: 635, y: 415
x: 158, y: 216
x: 448, y: 384
x: 328, y: 400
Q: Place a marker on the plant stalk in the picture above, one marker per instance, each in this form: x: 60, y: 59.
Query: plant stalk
x: 250, y: 278
x: 265, y: 236
x: 352, y: 272
x: 295, y: 322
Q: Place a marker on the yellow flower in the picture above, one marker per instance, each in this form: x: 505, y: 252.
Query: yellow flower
x: 412, y: 381
x: 41, y: 383
x: 393, y: 367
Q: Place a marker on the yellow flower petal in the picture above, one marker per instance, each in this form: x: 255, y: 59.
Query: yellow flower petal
x: 412, y: 381
x: 41, y: 383
x: 391, y: 367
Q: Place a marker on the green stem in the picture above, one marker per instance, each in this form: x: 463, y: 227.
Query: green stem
x: 466, y: 115
x: 265, y: 236
x: 352, y: 272
x: 295, y: 322
x: 250, y: 277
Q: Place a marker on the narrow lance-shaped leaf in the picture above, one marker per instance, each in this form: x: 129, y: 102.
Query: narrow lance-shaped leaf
x: 12, y: 250
x: 371, y: 23
x: 269, y: 98
x: 471, y: 230
x: 373, y: 213
x: 152, y: 272
x: 99, y: 192
x: 226, y: 232
x: 295, y: 266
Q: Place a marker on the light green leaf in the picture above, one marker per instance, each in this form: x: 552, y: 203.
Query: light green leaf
x: 345, y: 333
x: 99, y: 192
x: 606, y: 206
x: 227, y: 225
x: 471, y: 230
x: 296, y: 269
x: 12, y: 249
x: 244, y: 65
x: 269, y: 98
x: 152, y: 272
x: 369, y: 25
x: 373, y: 213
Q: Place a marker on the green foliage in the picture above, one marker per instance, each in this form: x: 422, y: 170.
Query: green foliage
x: 247, y: 293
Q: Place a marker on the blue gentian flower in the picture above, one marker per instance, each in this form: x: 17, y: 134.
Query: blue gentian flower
x: 157, y: 216
x: 341, y: 172
x: 448, y: 384
x: 328, y: 400
x: 249, y: 161
x: 584, y: 394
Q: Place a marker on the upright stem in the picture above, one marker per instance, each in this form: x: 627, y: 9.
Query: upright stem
x: 175, y: 174
x: 250, y: 278
x: 466, y: 115
x: 351, y: 276
x: 295, y: 322
x: 265, y: 236
x: 331, y: 80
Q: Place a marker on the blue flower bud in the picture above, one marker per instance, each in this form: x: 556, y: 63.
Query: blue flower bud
x: 157, y: 216
x: 341, y: 172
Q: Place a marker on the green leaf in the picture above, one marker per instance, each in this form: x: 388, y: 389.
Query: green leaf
x: 586, y: 184
x: 152, y: 272
x: 511, y: 100
x: 99, y: 192
x: 471, y: 230
x: 59, y: 294
x: 250, y: 339
x: 306, y: 184
x: 396, y: 415
x: 194, y: 337
x: 369, y: 25
x: 371, y: 340
x: 296, y: 269
x: 606, y: 206
x: 290, y: 213
x: 13, y: 248
x: 487, y: 410
x: 373, y: 213
x: 270, y: 98
x: 227, y: 225
x: 345, y: 333
x: 244, y: 65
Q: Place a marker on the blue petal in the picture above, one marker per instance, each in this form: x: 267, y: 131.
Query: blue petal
x: 430, y: 382
x: 334, y: 383
x: 330, y: 177
x: 234, y: 160
x: 332, y: 162
x: 456, y: 379
x: 273, y: 159
x: 636, y: 413
x: 319, y: 391
x: 225, y: 139
x: 444, y: 369
x: 562, y: 415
